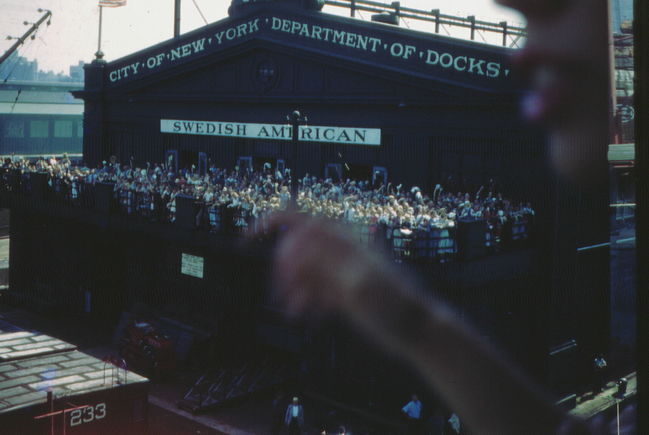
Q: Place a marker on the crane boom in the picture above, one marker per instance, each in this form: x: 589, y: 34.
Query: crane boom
x: 21, y: 40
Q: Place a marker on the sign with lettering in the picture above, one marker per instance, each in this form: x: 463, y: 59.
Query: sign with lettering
x: 416, y: 53
x: 308, y: 133
x: 191, y: 265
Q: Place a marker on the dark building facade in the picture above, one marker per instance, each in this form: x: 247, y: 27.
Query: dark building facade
x: 425, y: 108
x: 443, y: 106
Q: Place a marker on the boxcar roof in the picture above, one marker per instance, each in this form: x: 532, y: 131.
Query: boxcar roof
x: 32, y: 364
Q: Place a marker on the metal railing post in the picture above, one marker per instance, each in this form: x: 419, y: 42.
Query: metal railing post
x: 471, y: 19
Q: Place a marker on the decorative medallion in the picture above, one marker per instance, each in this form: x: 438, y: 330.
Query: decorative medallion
x: 265, y: 74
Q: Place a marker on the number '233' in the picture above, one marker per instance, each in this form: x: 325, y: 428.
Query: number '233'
x: 87, y: 414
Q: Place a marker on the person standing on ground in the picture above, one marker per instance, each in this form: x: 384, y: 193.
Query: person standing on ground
x: 294, y: 418
x: 277, y: 417
x: 412, y: 410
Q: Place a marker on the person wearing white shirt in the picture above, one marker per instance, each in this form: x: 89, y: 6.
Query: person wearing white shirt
x: 294, y: 418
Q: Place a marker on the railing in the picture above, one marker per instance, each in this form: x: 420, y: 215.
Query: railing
x: 510, y: 34
x: 429, y: 245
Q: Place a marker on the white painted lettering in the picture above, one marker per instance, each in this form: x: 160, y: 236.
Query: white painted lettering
x: 375, y: 42
x: 175, y: 54
x: 456, y: 63
x: 493, y: 69
x: 199, y: 45
x: 113, y: 76
x: 351, y: 40
x: 362, y: 42
x: 446, y: 60
x: 339, y: 37
x: 253, y: 26
x: 432, y: 57
x: 473, y: 65
x: 396, y: 49
x: 410, y: 49
x: 316, y: 32
x: 276, y: 24
x: 242, y: 29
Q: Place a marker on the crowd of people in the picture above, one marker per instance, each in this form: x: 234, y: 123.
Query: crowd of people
x: 249, y: 196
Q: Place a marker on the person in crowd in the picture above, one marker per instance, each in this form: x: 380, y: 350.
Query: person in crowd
x: 250, y: 194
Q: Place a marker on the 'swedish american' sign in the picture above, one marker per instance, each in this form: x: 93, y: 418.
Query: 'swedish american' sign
x: 306, y: 133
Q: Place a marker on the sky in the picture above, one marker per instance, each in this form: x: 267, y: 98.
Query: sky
x: 73, y: 33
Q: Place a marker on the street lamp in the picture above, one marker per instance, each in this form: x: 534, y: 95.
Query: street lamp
x: 295, y: 119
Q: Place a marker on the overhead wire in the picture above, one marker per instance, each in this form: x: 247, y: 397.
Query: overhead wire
x: 200, y: 12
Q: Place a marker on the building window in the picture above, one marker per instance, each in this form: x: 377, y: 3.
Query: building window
x: 334, y: 171
x: 62, y: 128
x: 39, y: 129
x: 79, y: 128
x: 244, y: 163
x: 14, y: 129
x: 379, y: 175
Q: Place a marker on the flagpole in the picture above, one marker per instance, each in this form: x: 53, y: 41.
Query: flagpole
x: 99, y: 54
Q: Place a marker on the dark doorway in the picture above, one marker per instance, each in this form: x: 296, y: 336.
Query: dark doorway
x: 188, y: 158
x: 171, y: 160
x: 357, y: 172
x: 275, y: 164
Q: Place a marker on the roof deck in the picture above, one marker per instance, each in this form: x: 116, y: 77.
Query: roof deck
x: 31, y: 364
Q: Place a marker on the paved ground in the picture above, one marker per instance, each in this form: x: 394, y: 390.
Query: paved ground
x: 163, y: 422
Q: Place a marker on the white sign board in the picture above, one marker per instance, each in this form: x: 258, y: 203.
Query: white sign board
x: 306, y: 133
x: 191, y: 265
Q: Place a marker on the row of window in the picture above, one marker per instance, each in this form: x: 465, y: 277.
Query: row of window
x: 41, y: 128
x: 335, y: 171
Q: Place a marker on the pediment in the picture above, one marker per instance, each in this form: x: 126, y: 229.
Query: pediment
x: 277, y: 51
x: 268, y: 74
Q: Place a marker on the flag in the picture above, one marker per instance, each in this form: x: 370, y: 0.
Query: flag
x: 112, y: 3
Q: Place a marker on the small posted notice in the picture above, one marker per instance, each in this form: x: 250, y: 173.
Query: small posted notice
x: 191, y: 265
